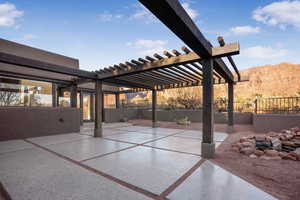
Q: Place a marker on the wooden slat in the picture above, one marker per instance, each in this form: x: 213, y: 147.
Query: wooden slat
x: 179, y: 75
x: 184, y: 73
x: 138, y: 81
x: 148, y: 78
x: 126, y: 83
x: 156, y: 64
x: 193, y: 70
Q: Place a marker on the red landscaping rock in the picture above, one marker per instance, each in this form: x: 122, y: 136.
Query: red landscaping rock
x: 290, y: 157
x: 236, y: 149
x: 258, y: 153
x: 247, y: 144
x: 243, y: 139
x: 253, y: 156
x: 271, y: 146
x: 297, y: 153
x: 260, y: 137
x: 247, y: 150
x: 283, y: 154
x: 271, y: 153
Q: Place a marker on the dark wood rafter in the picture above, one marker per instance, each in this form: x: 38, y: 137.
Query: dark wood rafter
x: 174, y: 16
x: 222, y: 43
x: 34, y: 77
x: 161, y: 62
x: 44, y: 66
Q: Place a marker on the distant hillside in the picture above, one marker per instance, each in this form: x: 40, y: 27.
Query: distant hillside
x: 266, y: 81
x: 269, y: 80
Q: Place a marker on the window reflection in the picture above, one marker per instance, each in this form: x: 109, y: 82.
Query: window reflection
x: 86, y: 107
x: 64, y: 99
x: 15, y: 92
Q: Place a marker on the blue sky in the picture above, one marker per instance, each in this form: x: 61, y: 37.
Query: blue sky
x: 104, y: 33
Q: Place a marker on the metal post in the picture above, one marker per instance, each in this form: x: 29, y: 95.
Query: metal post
x: 154, y: 114
x: 73, y: 96
x: 98, y: 109
x: 81, y: 107
x: 208, y: 145
x: 230, y: 108
x: 54, y: 95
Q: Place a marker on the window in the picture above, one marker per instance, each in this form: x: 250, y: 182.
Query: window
x: 18, y: 92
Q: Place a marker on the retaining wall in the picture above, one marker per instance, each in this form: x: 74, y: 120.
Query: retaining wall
x: 24, y: 122
x: 274, y: 122
x: 115, y: 115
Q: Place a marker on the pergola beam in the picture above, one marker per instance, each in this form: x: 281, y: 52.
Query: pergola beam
x: 35, y: 64
x: 174, y: 16
x: 168, y: 62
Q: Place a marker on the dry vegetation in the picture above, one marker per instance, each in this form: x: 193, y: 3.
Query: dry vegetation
x: 280, y: 80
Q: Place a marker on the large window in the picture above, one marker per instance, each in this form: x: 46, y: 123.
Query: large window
x: 16, y: 92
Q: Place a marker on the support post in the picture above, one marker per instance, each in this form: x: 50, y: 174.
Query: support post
x: 92, y: 107
x: 73, y: 96
x: 98, y: 108
x: 59, y: 94
x: 230, y: 107
x: 117, y: 95
x: 208, y: 145
x: 81, y: 107
x: 54, y: 95
x: 103, y: 108
x: 255, y: 105
x: 154, y: 114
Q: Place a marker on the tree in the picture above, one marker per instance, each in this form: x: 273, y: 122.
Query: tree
x: 9, y: 98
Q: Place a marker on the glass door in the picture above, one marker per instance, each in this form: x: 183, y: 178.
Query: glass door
x: 87, y: 107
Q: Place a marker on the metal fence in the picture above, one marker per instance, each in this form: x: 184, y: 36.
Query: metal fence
x: 274, y: 105
x: 277, y: 105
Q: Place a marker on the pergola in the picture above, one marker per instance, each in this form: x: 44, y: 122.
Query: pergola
x: 203, y: 66
x: 198, y: 65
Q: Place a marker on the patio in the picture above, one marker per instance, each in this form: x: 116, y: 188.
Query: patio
x: 129, y: 162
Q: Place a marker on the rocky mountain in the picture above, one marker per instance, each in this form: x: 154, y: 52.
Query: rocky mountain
x: 281, y: 80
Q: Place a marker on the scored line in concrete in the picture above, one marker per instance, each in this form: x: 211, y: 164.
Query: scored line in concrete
x: 109, y: 177
x: 107, y: 154
x: 165, y: 149
x: 170, y: 189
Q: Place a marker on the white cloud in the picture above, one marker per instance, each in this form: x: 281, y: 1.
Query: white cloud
x: 279, y: 14
x: 9, y: 15
x: 28, y: 37
x: 106, y: 16
x: 244, y: 30
x: 265, y: 52
x: 148, y: 47
x: 192, y: 12
x: 143, y: 15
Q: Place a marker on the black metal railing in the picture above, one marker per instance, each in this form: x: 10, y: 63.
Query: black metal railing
x: 277, y: 105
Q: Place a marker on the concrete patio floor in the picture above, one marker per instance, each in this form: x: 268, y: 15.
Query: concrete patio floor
x: 129, y: 162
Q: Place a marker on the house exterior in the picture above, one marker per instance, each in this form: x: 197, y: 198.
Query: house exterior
x: 29, y: 97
